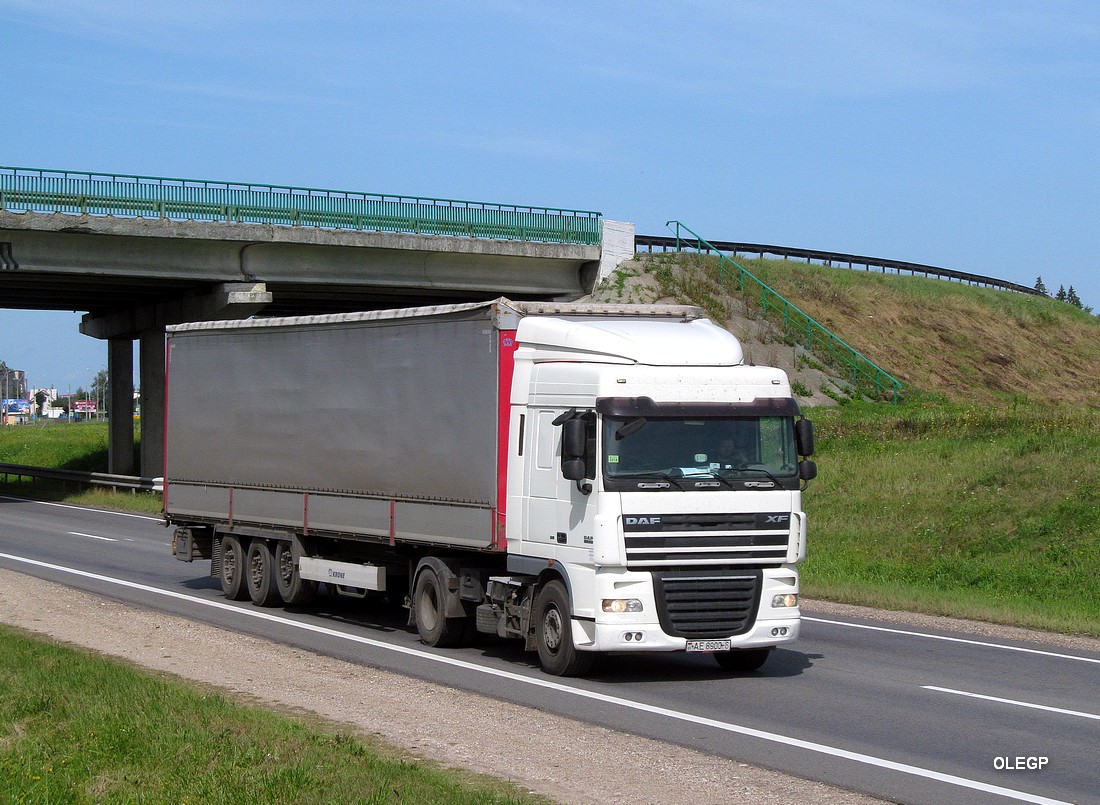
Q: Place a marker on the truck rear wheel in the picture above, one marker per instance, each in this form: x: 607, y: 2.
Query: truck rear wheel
x: 554, y: 633
x: 743, y: 661
x: 233, y: 571
x: 293, y: 589
x: 260, y: 573
x: 432, y: 624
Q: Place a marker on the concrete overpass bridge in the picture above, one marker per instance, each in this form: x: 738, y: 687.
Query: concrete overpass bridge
x: 136, y: 254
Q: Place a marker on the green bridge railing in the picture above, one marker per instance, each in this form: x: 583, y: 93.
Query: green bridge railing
x: 797, y: 324
x: 37, y: 190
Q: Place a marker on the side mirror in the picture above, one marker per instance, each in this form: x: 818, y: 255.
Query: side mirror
x: 804, y: 437
x: 574, y: 435
x: 572, y: 469
x: 807, y: 470
x: 577, y: 450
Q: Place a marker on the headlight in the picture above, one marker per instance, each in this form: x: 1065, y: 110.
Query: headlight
x: 785, y: 600
x: 622, y: 605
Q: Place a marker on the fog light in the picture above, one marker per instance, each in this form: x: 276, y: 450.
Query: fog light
x: 622, y: 605
x: 785, y: 600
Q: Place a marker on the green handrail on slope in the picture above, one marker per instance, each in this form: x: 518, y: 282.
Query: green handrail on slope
x: 40, y: 190
x: 794, y: 318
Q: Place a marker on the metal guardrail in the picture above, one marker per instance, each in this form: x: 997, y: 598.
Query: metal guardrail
x: 796, y: 322
x: 42, y: 190
x: 116, y: 482
x: 829, y: 258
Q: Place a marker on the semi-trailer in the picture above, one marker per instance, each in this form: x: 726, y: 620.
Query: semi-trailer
x: 585, y: 478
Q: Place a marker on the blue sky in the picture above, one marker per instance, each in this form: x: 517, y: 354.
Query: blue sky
x: 960, y: 134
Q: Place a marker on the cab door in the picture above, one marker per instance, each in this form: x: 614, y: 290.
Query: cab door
x: 560, y: 514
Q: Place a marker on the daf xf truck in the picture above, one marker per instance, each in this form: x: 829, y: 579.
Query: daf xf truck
x: 585, y: 478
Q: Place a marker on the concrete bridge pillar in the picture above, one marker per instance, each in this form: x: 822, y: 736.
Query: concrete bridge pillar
x: 120, y: 426
x: 151, y: 365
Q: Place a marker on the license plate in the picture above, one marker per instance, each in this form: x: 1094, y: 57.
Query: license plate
x: 708, y: 645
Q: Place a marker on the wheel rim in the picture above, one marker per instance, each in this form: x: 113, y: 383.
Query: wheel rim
x: 552, y: 630
x: 229, y: 566
x: 286, y: 566
x: 428, y: 613
x: 256, y: 570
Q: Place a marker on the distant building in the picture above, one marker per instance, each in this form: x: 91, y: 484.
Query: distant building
x: 13, y: 383
x: 47, y: 407
x: 15, y: 408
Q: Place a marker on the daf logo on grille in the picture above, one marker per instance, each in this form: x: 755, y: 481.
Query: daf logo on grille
x: 642, y: 520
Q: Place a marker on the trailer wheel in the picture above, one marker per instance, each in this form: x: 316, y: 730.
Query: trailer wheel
x: 554, y: 633
x: 743, y: 661
x: 261, y: 574
x: 293, y: 589
x: 432, y: 624
x: 233, y: 569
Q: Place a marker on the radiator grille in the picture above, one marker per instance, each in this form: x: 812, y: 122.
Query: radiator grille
x: 707, y: 603
x: 707, y: 539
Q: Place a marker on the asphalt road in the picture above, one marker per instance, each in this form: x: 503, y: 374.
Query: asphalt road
x: 900, y: 713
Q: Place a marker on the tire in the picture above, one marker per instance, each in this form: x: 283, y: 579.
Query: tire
x: 429, y: 604
x: 554, y: 633
x: 293, y: 589
x: 233, y: 569
x: 260, y: 574
x: 743, y: 661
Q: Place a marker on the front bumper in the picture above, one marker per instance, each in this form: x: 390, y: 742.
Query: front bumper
x: 644, y: 631
x: 648, y: 636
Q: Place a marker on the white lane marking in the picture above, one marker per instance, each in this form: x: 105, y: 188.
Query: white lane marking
x: 1077, y: 713
x: 93, y: 536
x: 955, y: 640
x: 628, y: 704
x: 84, y: 508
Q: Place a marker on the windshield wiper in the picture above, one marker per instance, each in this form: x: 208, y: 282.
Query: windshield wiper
x: 757, y: 469
x: 701, y: 473
x: 664, y: 476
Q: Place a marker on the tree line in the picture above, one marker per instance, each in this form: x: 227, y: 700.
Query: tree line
x: 1063, y: 294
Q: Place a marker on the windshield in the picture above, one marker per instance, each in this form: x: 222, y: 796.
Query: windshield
x: 702, y: 453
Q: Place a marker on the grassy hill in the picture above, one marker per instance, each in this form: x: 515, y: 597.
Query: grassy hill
x: 978, y: 495
x: 967, y: 344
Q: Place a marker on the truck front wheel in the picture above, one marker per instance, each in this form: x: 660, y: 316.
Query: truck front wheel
x: 432, y: 624
x: 554, y: 633
x: 743, y: 661
x: 232, y: 575
x: 260, y: 573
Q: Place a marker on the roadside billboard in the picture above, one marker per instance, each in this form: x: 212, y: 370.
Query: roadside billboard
x: 17, y: 406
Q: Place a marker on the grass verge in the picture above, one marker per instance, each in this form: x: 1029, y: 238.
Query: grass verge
x: 75, y: 727
x: 80, y: 446
x: 957, y: 510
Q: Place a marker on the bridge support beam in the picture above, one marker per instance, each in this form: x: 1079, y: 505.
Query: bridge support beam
x: 227, y: 300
